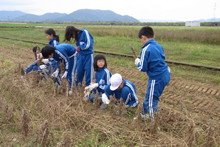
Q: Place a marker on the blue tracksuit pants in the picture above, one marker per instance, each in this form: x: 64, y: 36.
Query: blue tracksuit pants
x: 33, y: 67
x: 84, y: 67
x: 154, y: 91
x: 71, y: 71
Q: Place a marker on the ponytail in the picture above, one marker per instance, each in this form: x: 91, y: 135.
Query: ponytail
x: 51, y: 31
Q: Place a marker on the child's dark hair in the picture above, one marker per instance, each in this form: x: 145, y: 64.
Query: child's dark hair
x: 99, y: 57
x: 51, y: 31
x: 47, y: 50
x: 71, y: 32
x: 35, y: 49
x: 146, y: 31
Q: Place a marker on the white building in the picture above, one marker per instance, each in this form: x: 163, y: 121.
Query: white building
x: 192, y: 24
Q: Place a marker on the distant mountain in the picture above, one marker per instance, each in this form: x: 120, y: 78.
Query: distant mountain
x: 27, y: 17
x: 9, y: 15
x: 52, y: 16
x: 45, y: 17
x: 83, y: 15
x: 98, y: 16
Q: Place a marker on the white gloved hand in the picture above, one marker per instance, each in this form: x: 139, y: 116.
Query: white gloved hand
x: 42, y: 67
x: 55, y: 74
x: 70, y: 92
x: 86, y: 93
x: 89, y: 88
x: 137, y: 60
x: 45, y: 61
x: 64, y: 75
x: 105, y: 99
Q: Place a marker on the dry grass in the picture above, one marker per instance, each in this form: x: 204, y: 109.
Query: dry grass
x: 36, y: 113
x: 56, y: 119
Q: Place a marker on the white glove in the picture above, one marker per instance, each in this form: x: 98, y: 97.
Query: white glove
x: 105, y: 99
x: 64, y: 75
x: 42, y: 67
x: 55, y: 74
x: 86, y: 94
x: 137, y: 60
x: 70, y: 92
x: 89, y: 88
x: 45, y: 61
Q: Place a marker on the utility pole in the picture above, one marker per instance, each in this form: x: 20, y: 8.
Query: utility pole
x: 214, y: 11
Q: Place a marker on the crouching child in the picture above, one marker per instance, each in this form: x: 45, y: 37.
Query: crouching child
x: 102, y: 77
x: 120, y: 89
x: 35, y: 65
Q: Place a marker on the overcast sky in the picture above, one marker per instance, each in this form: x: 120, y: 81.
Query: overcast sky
x: 184, y: 10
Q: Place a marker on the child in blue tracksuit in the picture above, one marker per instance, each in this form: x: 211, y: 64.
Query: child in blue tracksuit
x: 44, y: 66
x: 120, y: 88
x: 102, y: 77
x: 152, y: 61
x: 35, y: 65
x: 84, y: 43
x: 66, y: 53
x: 52, y: 37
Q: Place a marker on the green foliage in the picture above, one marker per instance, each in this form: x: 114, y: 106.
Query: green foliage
x: 199, y: 45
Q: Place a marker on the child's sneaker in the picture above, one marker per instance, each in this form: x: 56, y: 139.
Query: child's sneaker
x: 145, y: 116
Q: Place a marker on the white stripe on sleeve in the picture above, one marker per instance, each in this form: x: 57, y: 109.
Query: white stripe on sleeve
x: 142, y: 57
x: 88, y: 39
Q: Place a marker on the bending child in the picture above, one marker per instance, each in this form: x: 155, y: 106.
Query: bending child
x: 44, y: 67
x: 66, y: 53
x: 84, y: 43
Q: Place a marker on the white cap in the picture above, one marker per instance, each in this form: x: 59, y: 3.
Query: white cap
x: 115, y: 81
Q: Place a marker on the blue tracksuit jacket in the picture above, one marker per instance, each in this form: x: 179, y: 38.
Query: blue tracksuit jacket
x: 102, y: 77
x: 66, y: 54
x: 85, y: 42
x: 152, y: 61
x: 127, y: 93
x: 85, y: 57
x: 53, y: 42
